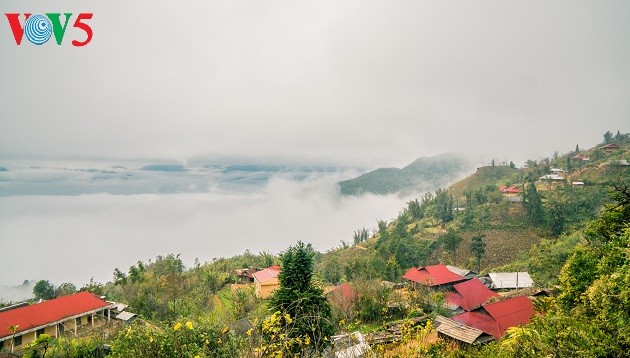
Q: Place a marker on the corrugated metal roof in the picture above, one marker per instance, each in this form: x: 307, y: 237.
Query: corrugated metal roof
x: 457, y: 330
x: 267, y: 274
x: 511, y: 312
x: 432, y: 275
x: 47, y: 312
x: 470, y: 294
x: 481, y: 321
x: 459, y: 271
x: 125, y: 316
x: 509, y: 280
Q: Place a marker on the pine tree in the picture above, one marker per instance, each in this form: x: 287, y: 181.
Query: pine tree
x: 309, y: 311
x: 533, y: 204
x: 478, y: 248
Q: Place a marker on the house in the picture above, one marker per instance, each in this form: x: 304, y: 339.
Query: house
x: 510, y: 189
x: 53, y: 317
x: 510, y: 280
x: 448, y: 328
x: 556, y: 171
x: 436, y: 276
x: 488, y: 322
x: 246, y: 275
x: 469, y: 295
x: 580, y: 158
x: 266, y: 281
x: 609, y: 148
x: 466, y: 273
x: 552, y: 177
x: 343, y: 296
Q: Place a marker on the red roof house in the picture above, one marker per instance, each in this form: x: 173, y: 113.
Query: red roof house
x: 433, y: 276
x: 495, y: 318
x: 510, y: 189
x: 343, y: 296
x: 52, y: 316
x: 470, y: 295
x: 267, y: 281
x: 610, y: 147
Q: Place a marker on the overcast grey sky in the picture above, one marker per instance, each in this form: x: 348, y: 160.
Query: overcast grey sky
x: 348, y: 82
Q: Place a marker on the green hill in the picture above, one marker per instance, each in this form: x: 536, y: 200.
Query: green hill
x: 424, y: 174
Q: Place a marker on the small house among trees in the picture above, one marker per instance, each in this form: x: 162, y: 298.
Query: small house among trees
x: 267, y: 281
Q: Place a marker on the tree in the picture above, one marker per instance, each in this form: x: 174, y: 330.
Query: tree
x: 44, y: 290
x: 66, y: 288
x: 361, y: 235
x: 577, y: 149
x: 415, y: 209
x: 299, y: 298
x: 42, y: 343
x: 533, y: 204
x: 608, y: 137
x: 478, y: 248
x: 512, y: 165
x: 450, y: 241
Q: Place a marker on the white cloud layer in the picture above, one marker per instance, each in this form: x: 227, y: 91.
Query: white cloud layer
x: 72, y: 238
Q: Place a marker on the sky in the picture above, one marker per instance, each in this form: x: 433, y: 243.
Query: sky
x: 350, y: 84
x: 328, y: 82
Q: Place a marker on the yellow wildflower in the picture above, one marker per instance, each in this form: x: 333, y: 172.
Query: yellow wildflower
x: 177, y: 326
x: 189, y: 325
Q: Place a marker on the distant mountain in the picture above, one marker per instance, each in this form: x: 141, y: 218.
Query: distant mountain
x: 164, y: 168
x: 424, y: 174
x: 3, y: 169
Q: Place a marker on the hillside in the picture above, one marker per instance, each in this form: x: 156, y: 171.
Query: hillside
x: 568, y: 230
x: 424, y: 174
x: 439, y: 227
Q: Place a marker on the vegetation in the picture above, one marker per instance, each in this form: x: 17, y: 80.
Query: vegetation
x: 424, y: 174
x: 301, y: 305
x: 556, y: 231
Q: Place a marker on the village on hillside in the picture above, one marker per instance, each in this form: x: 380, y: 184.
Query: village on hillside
x: 439, y: 275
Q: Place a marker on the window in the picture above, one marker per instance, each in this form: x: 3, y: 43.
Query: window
x: 17, y: 341
x: 61, y: 328
x: 78, y: 322
x: 39, y: 332
x: 89, y: 319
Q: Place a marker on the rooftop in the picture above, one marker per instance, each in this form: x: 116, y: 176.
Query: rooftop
x: 48, y: 312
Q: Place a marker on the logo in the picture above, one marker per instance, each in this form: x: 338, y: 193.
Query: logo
x: 39, y: 28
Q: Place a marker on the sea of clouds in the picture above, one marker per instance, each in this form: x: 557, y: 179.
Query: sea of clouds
x: 65, y: 223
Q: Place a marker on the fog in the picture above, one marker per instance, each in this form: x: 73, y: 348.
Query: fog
x: 74, y: 238
x: 351, y: 84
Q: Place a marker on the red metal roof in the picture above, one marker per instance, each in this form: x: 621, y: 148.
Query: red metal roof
x: 432, y: 275
x: 470, y: 294
x: 267, y: 274
x: 500, y: 316
x: 511, y: 312
x: 47, y: 312
x: 344, y: 290
x: 481, y: 321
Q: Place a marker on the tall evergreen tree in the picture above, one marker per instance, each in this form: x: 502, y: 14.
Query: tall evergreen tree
x: 305, y: 303
x: 478, y: 248
x: 533, y: 203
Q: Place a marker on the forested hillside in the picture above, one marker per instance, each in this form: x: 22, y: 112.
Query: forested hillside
x: 564, y: 219
x: 424, y: 174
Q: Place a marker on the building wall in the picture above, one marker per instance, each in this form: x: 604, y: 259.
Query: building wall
x: 265, y: 289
